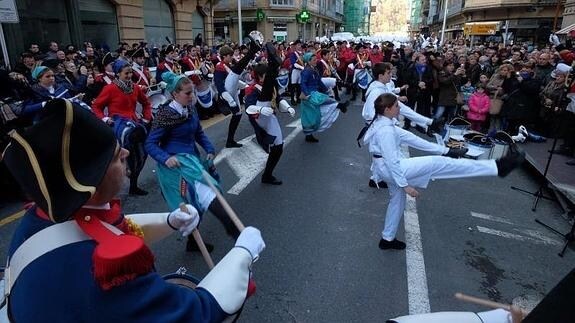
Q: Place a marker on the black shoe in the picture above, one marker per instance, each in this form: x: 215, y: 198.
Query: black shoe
x: 406, y: 126
x: 274, y: 61
x: 395, y: 244
x: 192, y: 246
x: 570, y: 162
x: 436, y: 126
x: 381, y: 184
x: 233, y: 144
x: 343, y: 106
x: 271, y: 180
x: 509, y: 162
x: 456, y: 152
x: 138, y: 191
x: 311, y: 138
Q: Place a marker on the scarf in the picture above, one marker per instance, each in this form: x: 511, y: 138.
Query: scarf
x: 168, y: 117
x: 126, y: 87
x: 420, y: 68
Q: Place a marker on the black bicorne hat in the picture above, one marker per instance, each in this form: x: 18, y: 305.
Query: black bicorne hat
x: 107, y: 59
x: 169, y: 49
x: 138, y: 53
x: 60, y: 160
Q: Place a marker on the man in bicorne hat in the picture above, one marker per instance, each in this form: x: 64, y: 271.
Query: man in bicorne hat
x: 170, y: 63
x: 141, y: 75
x: 76, y: 258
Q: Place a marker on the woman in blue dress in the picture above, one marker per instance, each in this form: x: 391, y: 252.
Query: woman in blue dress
x: 172, y: 143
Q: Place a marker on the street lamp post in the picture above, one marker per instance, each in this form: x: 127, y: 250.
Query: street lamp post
x: 240, y: 35
x: 444, y: 22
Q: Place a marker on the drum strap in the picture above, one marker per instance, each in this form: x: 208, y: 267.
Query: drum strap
x: 136, y: 68
x: 42, y: 242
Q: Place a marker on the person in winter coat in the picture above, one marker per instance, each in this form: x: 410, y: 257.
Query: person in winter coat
x: 478, y: 108
x: 448, y: 85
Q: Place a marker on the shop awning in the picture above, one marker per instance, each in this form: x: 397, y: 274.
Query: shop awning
x: 566, y: 30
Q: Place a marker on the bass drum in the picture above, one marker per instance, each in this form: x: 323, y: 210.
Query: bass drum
x: 283, y: 79
x: 204, y: 94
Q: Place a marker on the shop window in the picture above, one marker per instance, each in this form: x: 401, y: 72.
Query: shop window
x: 282, y: 3
x: 158, y: 22
x: 99, y: 22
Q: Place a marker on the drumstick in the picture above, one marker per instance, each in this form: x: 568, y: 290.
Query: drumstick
x: 233, y: 216
x: 199, y: 241
x: 517, y: 313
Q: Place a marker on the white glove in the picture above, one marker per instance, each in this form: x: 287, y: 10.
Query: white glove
x: 266, y: 111
x: 228, y: 97
x: 184, y: 222
x: 291, y: 112
x: 251, y: 240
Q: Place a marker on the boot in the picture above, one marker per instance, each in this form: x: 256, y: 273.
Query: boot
x: 217, y: 209
x: 134, y: 189
x: 342, y: 106
x: 192, y: 246
x: 234, y: 123
x: 273, y: 159
x: 509, y: 162
x: 311, y: 138
x: 292, y: 92
x: 254, y: 47
x: 298, y: 93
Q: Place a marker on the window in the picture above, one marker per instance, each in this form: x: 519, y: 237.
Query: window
x: 158, y: 22
x: 282, y: 2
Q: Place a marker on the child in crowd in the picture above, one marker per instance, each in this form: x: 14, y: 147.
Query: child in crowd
x: 478, y: 107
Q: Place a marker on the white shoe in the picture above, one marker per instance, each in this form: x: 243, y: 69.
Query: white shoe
x: 523, y: 131
x: 519, y: 138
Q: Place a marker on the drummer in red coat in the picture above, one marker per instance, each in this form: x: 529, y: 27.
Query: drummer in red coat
x: 141, y: 75
x: 170, y: 63
x: 192, y: 62
x: 131, y: 126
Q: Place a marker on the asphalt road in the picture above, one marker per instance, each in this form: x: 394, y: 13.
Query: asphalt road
x: 322, y: 227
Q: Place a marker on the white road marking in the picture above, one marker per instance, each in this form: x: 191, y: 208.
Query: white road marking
x: 509, y: 235
x: 417, y: 291
x: 247, y: 162
x: 491, y: 218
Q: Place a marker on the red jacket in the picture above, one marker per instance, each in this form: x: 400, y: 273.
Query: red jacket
x: 478, y: 107
x: 120, y: 103
x: 376, y: 58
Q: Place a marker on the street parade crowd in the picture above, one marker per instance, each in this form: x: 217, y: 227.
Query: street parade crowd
x: 76, y: 121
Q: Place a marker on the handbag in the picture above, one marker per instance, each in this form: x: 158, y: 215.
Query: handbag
x: 459, y: 97
x: 495, y: 106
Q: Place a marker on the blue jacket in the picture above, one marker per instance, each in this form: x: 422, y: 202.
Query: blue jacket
x: 71, y: 294
x: 40, y: 96
x: 311, y: 81
x: 163, y: 142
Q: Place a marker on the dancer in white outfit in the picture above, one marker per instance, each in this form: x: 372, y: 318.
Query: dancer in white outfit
x: 404, y: 174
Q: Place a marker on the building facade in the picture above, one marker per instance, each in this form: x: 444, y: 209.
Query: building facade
x: 521, y: 20
x: 279, y: 19
x: 106, y: 22
x: 357, y: 14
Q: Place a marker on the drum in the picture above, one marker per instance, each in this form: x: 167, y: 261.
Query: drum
x: 362, y: 77
x: 180, y: 278
x: 479, y: 147
x: 457, y: 127
x: 283, y: 78
x: 204, y: 94
x: 156, y: 99
x: 501, y: 144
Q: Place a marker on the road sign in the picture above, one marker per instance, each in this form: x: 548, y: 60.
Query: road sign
x: 478, y: 29
x: 8, y: 12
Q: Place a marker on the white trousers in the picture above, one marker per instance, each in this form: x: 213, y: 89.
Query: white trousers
x: 419, y: 171
x: 231, y: 85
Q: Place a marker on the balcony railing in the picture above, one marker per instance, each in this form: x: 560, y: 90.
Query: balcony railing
x: 480, y: 4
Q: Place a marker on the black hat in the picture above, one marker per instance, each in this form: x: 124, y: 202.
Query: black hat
x: 338, y: 42
x: 107, y: 59
x: 169, y: 49
x: 138, y: 53
x: 61, y: 159
x: 295, y: 42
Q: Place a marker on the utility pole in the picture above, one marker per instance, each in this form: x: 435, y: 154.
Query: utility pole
x: 240, y: 33
x: 444, y: 23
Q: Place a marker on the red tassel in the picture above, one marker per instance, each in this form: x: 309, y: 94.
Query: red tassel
x: 117, y: 258
x: 120, y: 260
x: 251, y: 287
